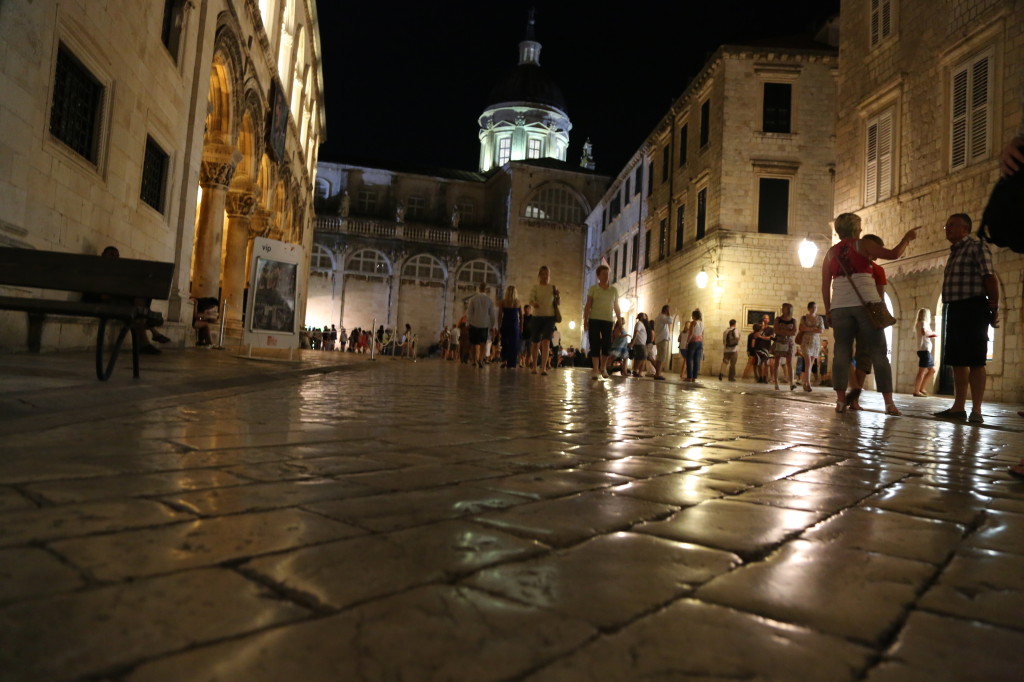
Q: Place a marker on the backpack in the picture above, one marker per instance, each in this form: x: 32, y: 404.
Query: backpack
x: 1002, y: 223
x: 734, y: 339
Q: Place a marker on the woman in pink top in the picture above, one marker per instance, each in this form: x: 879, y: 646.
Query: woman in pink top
x: 846, y: 267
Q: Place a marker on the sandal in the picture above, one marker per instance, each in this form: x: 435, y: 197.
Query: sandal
x: 840, y: 407
x: 919, y: 395
x: 893, y: 411
x: 851, y: 398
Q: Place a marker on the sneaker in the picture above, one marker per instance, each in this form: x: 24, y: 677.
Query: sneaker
x: 719, y: 377
x: 160, y: 338
x: 951, y: 414
x: 976, y: 418
x: 658, y: 377
x: 149, y: 349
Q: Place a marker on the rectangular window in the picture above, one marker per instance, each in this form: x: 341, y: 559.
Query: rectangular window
x: 881, y: 21
x: 778, y: 101
x: 663, y: 239
x: 666, y: 154
x: 170, y: 32
x: 77, y: 106
x: 604, y: 220
x: 969, y: 124
x: 638, y: 180
x: 626, y: 194
x: 635, y: 252
x: 366, y: 201
x: 773, y: 206
x: 650, y: 178
x: 154, y: 175
x: 616, y: 207
x: 615, y: 265
x: 680, y: 226
x: 504, y: 150
x: 705, y: 123
x: 533, y: 149
x: 647, y: 249
x: 878, y: 159
x: 625, y: 250
x: 416, y: 207
x: 702, y: 212
x: 683, y: 132
x: 467, y: 212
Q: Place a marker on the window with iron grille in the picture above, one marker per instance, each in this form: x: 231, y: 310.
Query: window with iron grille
x: 154, y: 175
x: 705, y: 123
x: 77, y: 106
x: 174, y: 18
x: 777, y: 107
x: 680, y: 225
x: 702, y: 212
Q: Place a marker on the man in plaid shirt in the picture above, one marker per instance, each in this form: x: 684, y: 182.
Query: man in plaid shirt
x: 970, y: 289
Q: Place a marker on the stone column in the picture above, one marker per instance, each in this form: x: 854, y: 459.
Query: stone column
x: 240, y: 206
x: 214, y: 177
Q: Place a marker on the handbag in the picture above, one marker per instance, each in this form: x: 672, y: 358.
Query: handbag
x: 878, y: 315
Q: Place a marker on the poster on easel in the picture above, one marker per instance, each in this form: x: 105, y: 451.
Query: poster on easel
x: 273, y: 301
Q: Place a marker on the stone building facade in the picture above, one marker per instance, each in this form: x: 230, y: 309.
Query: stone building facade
x: 734, y: 177
x: 928, y: 93
x: 175, y: 130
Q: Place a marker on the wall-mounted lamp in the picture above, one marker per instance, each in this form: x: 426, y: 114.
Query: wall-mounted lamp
x: 808, y: 252
x: 702, y: 278
x: 572, y: 324
x: 625, y: 303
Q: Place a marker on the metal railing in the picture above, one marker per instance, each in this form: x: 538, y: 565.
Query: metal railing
x: 417, y: 232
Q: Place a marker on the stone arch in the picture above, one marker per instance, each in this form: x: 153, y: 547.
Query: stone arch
x: 478, y: 270
x: 425, y: 268
x: 322, y: 260
x: 225, y: 84
x: 369, y: 262
x: 558, y: 201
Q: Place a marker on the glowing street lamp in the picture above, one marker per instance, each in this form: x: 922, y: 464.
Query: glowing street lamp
x: 702, y: 279
x: 625, y: 303
x: 572, y: 324
x: 807, y: 251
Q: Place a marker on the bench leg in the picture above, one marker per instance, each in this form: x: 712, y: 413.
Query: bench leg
x: 104, y: 373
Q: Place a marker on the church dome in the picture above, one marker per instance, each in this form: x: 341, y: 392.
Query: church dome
x: 528, y: 83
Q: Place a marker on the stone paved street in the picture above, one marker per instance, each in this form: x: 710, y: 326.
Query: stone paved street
x: 340, y: 519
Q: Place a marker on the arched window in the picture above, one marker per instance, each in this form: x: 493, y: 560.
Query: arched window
x: 478, y: 271
x: 321, y: 260
x: 323, y: 188
x: 424, y: 268
x: 554, y: 203
x: 369, y: 262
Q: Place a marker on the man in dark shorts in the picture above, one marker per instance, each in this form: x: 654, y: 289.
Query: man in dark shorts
x: 971, y: 293
x: 482, y: 320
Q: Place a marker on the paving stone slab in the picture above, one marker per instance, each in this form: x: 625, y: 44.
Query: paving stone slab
x: 11, y: 500
x: 642, y: 466
x: 263, y: 496
x: 609, y: 580
x: 88, y: 633
x: 803, y: 495
x: 393, y: 511
x: 747, y: 529
x: 689, y: 640
x: 569, y: 520
x: 138, y: 485
x: 866, y: 593
x: 555, y: 483
x: 980, y: 585
x: 869, y: 479
x: 343, y: 573
x: 750, y: 473
x: 312, y: 467
x: 29, y: 572
x: 930, y: 502
x: 891, y: 533
x: 932, y: 647
x: 73, y: 520
x: 418, y: 477
x: 1000, y: 531
x: 682, y: 490
x: 431, y: 634
x: 793, y: 457
x: 203, y: 542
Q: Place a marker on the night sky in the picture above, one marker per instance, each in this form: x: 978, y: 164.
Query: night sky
x: 406, y: 81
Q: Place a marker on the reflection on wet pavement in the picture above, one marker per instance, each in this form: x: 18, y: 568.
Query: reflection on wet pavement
x: 429, y: 521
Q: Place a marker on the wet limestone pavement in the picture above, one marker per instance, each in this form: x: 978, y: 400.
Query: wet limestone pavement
x: 340, y: 519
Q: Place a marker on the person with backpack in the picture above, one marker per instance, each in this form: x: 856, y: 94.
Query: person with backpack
x: 731, y: 343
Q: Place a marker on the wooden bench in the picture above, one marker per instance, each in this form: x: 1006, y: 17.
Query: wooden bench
x: 120, y: 281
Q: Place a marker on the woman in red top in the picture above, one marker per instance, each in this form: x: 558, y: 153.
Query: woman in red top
x: 844, y: 311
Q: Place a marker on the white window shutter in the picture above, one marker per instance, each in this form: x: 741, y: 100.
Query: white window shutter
x: 979, y: 107
x: 885, y: 156
x: 871, y: 165
x: 958, y: 141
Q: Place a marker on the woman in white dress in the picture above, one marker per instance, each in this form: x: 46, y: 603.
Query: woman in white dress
x: 925, y: 361
x: 811, y: 327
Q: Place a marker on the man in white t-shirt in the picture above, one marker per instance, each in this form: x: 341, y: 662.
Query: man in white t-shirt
x: 482, y: 321
x: 662, y: 340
